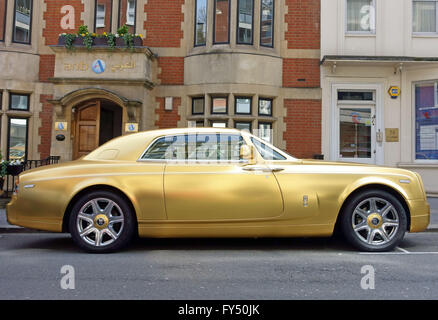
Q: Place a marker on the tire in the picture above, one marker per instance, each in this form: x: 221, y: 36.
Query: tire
x: 374, y: 221
x: 102, y: 222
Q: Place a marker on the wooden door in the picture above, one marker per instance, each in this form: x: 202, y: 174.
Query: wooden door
x: 87, y: 121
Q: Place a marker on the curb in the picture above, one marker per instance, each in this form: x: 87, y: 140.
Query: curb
x: 14, y: 229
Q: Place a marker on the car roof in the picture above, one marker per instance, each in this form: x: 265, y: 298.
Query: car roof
x: 159, y: 132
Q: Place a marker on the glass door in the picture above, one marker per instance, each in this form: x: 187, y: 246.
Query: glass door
x: 357, y: 133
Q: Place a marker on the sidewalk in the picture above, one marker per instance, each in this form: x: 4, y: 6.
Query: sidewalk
x: 6, y: 227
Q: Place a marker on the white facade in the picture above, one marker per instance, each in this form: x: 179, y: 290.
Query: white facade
x: 368, y: 47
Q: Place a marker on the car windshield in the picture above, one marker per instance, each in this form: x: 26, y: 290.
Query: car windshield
x: 267, y: 152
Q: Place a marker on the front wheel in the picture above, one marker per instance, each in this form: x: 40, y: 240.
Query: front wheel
x: 101, y: 222
x: 374, y: 220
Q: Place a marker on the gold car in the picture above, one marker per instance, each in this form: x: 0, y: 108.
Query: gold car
x: 207, y: 182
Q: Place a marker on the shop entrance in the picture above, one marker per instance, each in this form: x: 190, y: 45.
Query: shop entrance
x: 357, y: 123
x: 95, y: 122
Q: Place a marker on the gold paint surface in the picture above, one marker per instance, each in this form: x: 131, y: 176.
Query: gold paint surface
x: 210, y: 200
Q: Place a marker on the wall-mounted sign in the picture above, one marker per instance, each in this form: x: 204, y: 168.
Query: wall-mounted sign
x: 61, y: 126
x: 131, y: 127
x: 394, y: 92
x: 392, y: 135
x: 98, y: 66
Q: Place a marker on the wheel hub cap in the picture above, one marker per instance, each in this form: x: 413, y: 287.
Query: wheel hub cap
x: 374, y: 220
x: 101, y: 221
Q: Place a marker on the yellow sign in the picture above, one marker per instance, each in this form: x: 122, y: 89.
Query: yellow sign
x: 394, y: 92
x: 131, y: 127
x: 61, y: 126
x: 391, y: 135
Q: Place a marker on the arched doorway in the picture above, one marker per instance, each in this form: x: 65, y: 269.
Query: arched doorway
x: 94, y: 123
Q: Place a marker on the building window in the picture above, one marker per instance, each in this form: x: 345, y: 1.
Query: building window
x: 243, y: 125
x: 19, y: 102
x: 17, y: 139
x: 425, y: 16
x: 265, y: 107
x: 426, y: 120
x: 243, y: 105
x: 361, y: 16
x: 198, y: 106
x: 3, y: 9
x: 347, y: 95
x: 218, y: 124
x: 219, y: 106
x: 245, y: 21
x: 127, y: 14
x: 22, y: 21
x: 200, y: 22
x: 265, y: 131
x: 221, y: 21
x: 103, y: 14
x: 267, y: 23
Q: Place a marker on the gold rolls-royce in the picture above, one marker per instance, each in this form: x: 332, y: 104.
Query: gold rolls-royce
x: 207, y: 182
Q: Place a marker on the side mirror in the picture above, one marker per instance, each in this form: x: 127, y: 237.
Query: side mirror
x: 247, y: 153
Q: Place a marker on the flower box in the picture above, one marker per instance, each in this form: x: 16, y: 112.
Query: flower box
x: 101, y: 41
x: 15, y: 169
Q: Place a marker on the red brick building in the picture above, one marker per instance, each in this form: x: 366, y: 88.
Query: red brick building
x: 249, y: 64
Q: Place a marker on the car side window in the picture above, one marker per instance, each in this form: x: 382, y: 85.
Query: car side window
x: 267, y: 152
x: 168, y: 147
x: 193, y: 147
x: 222, y: 147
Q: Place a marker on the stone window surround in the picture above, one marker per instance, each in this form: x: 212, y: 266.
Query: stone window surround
x: 256, y: 42
x: 231, y: 117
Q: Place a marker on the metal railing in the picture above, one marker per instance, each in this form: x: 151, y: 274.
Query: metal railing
x: 9, y: 180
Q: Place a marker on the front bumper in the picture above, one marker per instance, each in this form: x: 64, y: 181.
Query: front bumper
x: 420, y: 215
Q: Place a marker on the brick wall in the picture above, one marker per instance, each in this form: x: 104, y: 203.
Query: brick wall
x: 172, y: 70
x: 52, y: 17
x: 45, y: 131
x: 163, y: 23
x: 2, y: 19
x: 303, y: 127
x: 301, y: 73
x: 167, y: 119
x: 303, y: 24
x: 47, y: 67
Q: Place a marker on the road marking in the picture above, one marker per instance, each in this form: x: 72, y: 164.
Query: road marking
x: 402, y: 250
x: 396, y: 253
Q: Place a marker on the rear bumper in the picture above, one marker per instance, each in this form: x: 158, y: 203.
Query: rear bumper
x: 18, y: 216
x: 420, y: 215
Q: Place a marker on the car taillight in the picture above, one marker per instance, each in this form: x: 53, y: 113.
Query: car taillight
x: 16, y: 186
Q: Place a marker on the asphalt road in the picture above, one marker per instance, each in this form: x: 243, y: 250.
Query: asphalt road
x: 31, y: 263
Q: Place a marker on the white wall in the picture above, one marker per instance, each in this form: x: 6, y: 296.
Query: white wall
x: 393, y: 36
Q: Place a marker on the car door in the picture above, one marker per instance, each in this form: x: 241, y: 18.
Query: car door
x: 209, y: 181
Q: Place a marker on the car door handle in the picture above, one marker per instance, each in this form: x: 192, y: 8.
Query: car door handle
x: 263, y: 169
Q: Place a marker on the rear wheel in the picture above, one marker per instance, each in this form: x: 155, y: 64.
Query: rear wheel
x: 374, y: 220
x: 102, y: 222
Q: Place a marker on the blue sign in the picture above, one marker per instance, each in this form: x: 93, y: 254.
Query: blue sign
x: 131, y: 127
x: 98, y: 66
x: 61, y: 126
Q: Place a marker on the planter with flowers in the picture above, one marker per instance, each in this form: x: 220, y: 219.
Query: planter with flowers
x: 15, y: 167
x: 122, y: 39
